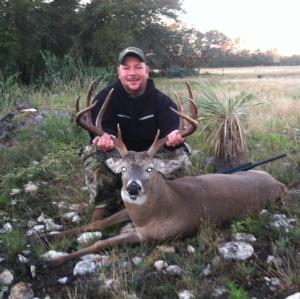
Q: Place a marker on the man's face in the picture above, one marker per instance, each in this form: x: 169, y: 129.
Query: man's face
x: 133, y: 74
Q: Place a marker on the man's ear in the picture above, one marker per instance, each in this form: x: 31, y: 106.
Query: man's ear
x: 114, y: 164
x: 168, y: 166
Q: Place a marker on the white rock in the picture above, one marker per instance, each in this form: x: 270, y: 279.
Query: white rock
x: 13, y: 202
x: 21, y: 290
x: 15, y: 191
x: 98, y: 259
x: 281, y: 221
x: 220, y: 291
x: 29, y: 110
x: 36, y: 229
x: 62, y: 205
x: 70, y: 215
x: 76, y: 219
x: 62, y: 280
x: 207, y: 270
x: 160, y: 265
x: 22, y: 259
x: 6, y: 277
x: 7, y: 228
x: 42, y: 218
x: 111, y: 283
x: 185, y: 294
x: 236, y: 250
x: 190, y: 249
x: 244, y: 237
x: 263, y: 212
x: 53, y: 254
x: 277, y: 261
x: 136, y: 260
x: 84, y: 267
x: 294, y: 296
x: 51, y: 225
x: 1, y: 259
x: 30, y: 188
x: 39, y: 228
x: 166, y: 249
x: 33, y: 271
x: 87, y: 237
x: 174, y: 270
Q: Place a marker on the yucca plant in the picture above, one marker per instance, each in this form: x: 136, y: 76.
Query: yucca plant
x: 224, y: 119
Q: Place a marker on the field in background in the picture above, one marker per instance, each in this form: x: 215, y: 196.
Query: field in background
x: 47, y: 155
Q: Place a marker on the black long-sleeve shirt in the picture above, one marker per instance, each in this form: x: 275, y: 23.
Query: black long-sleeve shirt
x: 139, y: 117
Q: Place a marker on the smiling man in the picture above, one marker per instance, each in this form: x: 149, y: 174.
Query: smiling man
x: 140, y: 109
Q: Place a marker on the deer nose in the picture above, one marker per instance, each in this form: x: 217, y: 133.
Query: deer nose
x: 133, y: 188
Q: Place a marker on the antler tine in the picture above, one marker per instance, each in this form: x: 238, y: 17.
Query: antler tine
x: 192, y: 120
x: 184, y: 132
x: 118, y: 142
x: 156, y: 145
x: 180, y: 109
x: 189, y: 90
x: 97, y: 129
x: 83, y: 123
x: 89, y: 94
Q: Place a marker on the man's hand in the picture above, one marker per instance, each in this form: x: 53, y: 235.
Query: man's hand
x: 174, y: 138
x: 104, y: 143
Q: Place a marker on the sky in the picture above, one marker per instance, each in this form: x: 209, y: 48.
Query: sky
x: 261, y: 24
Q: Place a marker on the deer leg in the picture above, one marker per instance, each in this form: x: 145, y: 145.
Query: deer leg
x: 126, y: 238
x: 116, y: 218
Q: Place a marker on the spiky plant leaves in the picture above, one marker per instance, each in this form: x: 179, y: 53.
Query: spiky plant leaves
x: 224, y: 119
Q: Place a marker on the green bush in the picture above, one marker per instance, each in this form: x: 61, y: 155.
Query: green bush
x: 70, y: 67
x: 235, y: 292
x: 10, y: 90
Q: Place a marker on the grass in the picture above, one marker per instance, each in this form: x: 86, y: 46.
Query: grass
x: 54, y: 146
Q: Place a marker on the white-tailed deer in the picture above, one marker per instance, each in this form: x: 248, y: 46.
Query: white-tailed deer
x: 163, y: 209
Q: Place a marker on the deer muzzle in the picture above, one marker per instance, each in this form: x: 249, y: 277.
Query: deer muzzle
x: 133, y: 189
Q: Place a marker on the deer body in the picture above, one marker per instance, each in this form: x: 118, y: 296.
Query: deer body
x: 188, y: 201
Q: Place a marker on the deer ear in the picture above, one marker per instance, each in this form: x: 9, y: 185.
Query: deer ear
x: 166, y: 167
x: 114, y: 164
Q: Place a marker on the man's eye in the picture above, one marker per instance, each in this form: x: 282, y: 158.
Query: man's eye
x: 149, y: 169
x: 124, y: 169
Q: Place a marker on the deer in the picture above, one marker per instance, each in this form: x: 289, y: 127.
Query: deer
x: 161, y: 209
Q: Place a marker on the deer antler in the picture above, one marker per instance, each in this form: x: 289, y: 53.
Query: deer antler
x: 83, y: 118
x: 183, y: 131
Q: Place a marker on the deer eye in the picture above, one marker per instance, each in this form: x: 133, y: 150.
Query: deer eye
x: 124, y: 169
x: 149, y: 169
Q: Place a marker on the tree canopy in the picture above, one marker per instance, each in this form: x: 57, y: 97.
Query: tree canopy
x: 95, y: 32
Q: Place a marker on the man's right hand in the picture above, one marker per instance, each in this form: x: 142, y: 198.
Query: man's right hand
x: 104, y: 143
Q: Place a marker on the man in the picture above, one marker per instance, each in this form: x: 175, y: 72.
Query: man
x: 140, y: 110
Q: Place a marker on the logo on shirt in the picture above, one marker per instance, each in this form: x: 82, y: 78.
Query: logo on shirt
x: 147, y: 116
x: 123, y: 116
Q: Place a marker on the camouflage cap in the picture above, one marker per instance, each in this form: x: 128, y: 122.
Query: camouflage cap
x: 132, y: 51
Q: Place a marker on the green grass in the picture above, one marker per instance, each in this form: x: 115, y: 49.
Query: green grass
x: 55, y: 145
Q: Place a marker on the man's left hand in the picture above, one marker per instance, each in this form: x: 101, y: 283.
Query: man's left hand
x: 174, y: 138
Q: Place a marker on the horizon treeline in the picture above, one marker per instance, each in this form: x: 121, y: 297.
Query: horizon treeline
x: 35, y: 35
